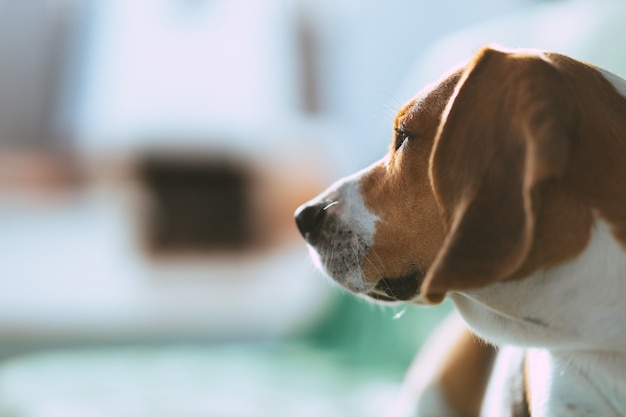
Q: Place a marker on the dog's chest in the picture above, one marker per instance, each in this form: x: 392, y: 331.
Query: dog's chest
x: 576, y: 384
x: 555, y: 384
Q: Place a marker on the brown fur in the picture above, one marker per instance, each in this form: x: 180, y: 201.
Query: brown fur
x: 466, y: 372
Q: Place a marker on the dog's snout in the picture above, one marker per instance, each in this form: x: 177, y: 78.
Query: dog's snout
x: 309, y: 218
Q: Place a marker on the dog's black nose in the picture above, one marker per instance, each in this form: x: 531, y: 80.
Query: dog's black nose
x: 309, y: 218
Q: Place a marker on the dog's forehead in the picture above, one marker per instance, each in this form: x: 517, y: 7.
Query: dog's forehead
x: 430, y: 101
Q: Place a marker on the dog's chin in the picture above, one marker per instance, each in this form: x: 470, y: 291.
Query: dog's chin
x: 404, y: 288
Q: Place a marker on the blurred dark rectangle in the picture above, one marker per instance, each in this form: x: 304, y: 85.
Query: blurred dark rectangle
x: 196, y: 204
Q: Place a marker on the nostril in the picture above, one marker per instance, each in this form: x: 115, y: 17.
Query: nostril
x: 309, y: 218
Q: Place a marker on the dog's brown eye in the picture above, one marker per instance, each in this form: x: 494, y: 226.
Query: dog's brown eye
x: 401, y: 137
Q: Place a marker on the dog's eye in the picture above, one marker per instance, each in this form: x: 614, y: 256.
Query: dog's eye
x: 401, y: 137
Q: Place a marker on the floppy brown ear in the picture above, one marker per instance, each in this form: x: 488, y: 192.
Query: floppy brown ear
x: 506, y: 132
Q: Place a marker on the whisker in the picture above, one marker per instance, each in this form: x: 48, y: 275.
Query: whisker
x: 356, y: 252
x: 393, y: 98
x: 331, y: 255
x: 382, y: 272
x: 373, y: 265
x: 387, y: 286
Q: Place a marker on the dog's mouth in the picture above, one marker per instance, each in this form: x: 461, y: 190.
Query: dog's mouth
x: 401, y: 288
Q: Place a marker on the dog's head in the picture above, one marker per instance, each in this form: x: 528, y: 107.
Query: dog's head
x: 473, y: 190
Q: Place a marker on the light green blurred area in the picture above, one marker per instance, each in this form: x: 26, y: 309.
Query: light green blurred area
x: 351, y: 364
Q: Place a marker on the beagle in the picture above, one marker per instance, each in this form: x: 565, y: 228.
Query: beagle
x: 504, y: 189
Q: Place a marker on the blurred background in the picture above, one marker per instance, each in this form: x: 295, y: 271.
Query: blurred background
x: 152, y: 153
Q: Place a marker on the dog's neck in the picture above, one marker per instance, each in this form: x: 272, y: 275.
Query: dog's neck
x: 577, y: 306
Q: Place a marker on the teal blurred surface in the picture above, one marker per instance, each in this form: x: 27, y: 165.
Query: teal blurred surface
x: 350, y: 365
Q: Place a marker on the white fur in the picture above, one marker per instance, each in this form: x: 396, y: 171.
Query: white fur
x: 497, y: 399
x: 579, y: 383
x: 352, y: 209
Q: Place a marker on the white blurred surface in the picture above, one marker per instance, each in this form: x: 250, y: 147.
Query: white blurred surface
x: 187, y: 67
x: 74, y: 269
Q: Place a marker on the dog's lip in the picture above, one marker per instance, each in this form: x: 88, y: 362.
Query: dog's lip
x: 400, y: 288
